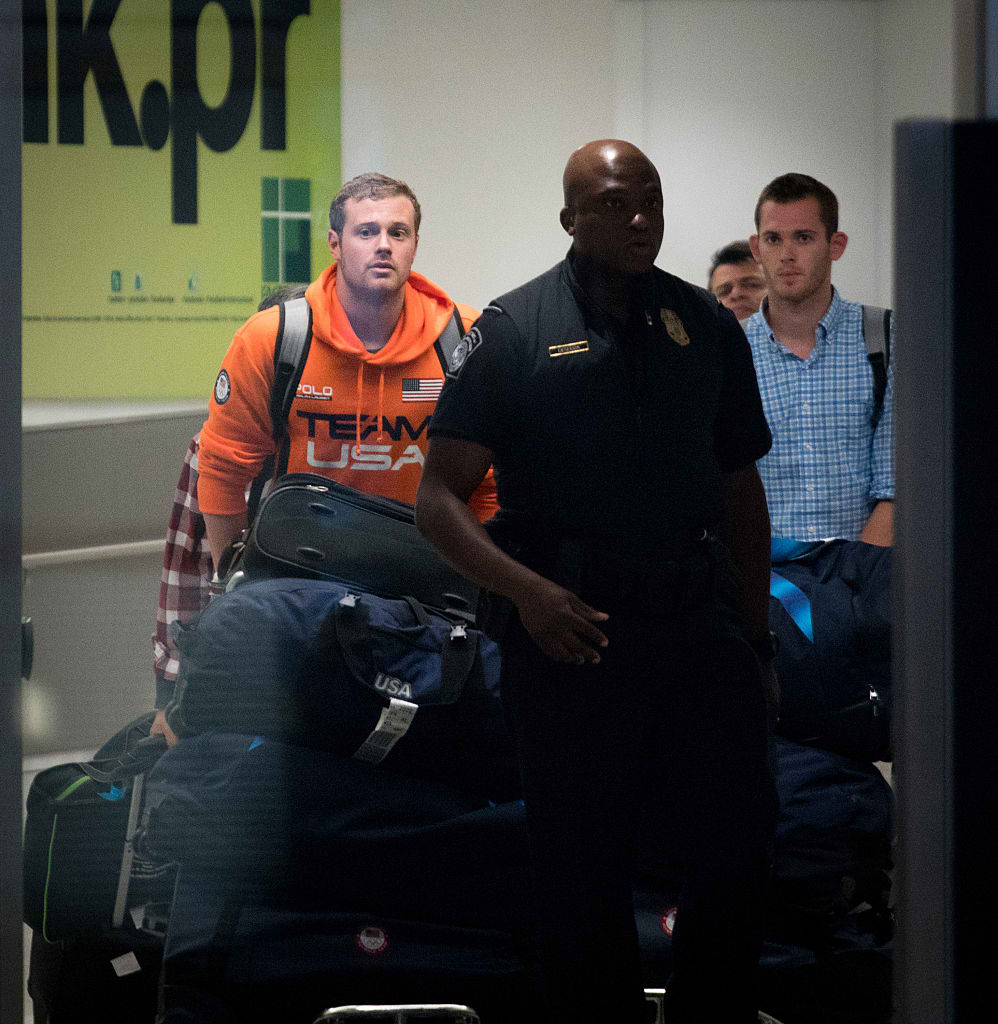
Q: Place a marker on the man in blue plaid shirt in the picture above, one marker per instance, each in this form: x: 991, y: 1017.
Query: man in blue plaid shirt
x: 830, y: 472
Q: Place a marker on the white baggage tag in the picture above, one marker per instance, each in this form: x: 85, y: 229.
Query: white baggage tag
x: 127, y: 963
x: 392, y: 726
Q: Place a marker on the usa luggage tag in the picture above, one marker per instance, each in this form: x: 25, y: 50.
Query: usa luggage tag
x: 392, y: 726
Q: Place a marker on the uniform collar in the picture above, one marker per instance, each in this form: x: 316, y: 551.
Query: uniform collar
x: 644, y: 292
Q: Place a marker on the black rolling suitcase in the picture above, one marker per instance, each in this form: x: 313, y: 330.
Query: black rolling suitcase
x: 81, y: 874
x: 96, y: 908
x: 313, y: 527
x: 68, y: 980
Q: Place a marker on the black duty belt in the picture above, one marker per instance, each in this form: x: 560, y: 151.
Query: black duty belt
x: 654, y: 583
x: 661, y: 576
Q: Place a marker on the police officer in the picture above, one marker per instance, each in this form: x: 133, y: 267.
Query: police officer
x: 620, y: 409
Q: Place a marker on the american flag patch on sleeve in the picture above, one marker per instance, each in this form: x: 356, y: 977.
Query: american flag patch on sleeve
x: 421, y: 389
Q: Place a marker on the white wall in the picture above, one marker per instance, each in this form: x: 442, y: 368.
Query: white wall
x: 740, y: 91
x: 478, y: 105
x: 917, y: 81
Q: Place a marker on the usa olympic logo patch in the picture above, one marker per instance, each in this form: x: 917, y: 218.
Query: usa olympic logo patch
x: 223, y: 387
x: 372, y: 940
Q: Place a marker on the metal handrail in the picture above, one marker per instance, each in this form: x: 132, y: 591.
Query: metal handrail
x: 101, y: 553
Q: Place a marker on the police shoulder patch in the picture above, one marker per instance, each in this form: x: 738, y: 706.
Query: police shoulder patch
x: 223, y: 387
x: 462, y: 351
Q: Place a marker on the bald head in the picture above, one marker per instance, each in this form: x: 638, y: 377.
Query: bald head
x: 595, y: 158
x: 613, y: 207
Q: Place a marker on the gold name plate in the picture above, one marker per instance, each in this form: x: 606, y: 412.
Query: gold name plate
x: 569, y: 349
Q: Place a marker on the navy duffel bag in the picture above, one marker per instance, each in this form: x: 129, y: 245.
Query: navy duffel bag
x: 830, y: 606
x: 385, y: 681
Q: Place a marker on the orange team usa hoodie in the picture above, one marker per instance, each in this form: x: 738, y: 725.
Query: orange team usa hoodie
x: 359, y: 417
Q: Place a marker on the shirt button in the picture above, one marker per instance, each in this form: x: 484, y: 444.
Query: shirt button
x: 808, y: 447
x: 810, y: 487
x: 805, y: 406
x: 812, y: 530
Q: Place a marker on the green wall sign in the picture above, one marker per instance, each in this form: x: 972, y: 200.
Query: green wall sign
x: 178, y: 162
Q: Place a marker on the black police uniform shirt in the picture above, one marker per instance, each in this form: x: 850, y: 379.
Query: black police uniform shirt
x: 625, y: 432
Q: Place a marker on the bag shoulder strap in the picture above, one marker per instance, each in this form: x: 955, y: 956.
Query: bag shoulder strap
x: 291, y: 346
x: 448, y: 341
x: 877, y: 336
x: 294, y: 337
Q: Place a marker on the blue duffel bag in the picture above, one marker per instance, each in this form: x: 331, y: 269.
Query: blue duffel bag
x: 830, y: 606
x: 305, y: 877
x: 313, y: 663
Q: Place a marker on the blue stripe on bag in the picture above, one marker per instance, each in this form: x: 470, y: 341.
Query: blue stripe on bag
x: 795, y: 601
x: 783, y: 549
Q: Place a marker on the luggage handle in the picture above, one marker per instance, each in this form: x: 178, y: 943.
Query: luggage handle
x: 128, y: 854
x: 400, y: 1013
x: 128, y: 764
x: 351, y: 626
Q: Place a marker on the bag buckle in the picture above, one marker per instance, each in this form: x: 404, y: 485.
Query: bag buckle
x: 458, y: 631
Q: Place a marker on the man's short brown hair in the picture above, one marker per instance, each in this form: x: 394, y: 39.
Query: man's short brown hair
x: 370, y: 186
x: 789, y: 188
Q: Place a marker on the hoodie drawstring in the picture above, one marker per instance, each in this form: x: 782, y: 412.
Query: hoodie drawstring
x: 360, y: 399
x: 360, y: 396
x: 381, y: 405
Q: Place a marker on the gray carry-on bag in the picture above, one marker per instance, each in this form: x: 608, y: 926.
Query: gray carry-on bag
x: 317, y: 528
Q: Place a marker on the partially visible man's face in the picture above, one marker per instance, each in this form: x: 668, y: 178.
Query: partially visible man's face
x: 375, y: 249
x: 739, y: 286
x: 616, y: 216
x: 794, y: 249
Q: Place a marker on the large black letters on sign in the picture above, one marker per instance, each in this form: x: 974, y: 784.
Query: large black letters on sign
x: 221, y: 126
x: 35, y: 41
x: 84, y: 47
x: 276, y: 16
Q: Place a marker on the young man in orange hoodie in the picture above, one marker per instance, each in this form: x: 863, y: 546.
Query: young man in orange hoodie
x: 371, y: 379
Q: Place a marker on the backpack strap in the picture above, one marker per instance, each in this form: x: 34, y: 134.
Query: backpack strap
x: 294, y: 337
x: 291, y: 346
x: 448, y: 341
x: 877, y: 335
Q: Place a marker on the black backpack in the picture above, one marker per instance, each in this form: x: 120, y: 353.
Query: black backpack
x: 877, y: 335
x: 81, y: 872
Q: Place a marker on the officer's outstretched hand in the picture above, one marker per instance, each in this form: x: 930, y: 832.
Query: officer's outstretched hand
x: 561, y: 624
